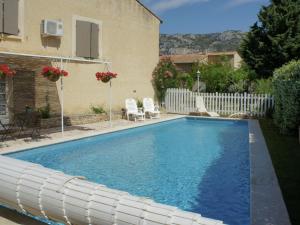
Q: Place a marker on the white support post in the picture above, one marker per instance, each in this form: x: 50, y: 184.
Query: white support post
x: 110, y: 99
x: 62, y: 98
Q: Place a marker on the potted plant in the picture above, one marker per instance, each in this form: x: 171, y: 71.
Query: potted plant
x: 5, y: 71
x: 105, y: 76
x: 53, y: 73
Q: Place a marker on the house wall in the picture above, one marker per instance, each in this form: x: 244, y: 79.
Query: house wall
x: 129, y: 38
x: 237, y: 60
x: 219, y: 58
x: 184, y: 67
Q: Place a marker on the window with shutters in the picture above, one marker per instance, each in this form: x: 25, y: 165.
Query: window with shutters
x: 87, y: 39
x: 12, y: 17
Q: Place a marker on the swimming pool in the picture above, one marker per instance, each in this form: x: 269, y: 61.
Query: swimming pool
x: 199, y: 165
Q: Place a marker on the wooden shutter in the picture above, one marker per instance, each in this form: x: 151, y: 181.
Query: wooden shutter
x: 83, y: 39
x: 1, y: 16
x: 94, y: 40
x: 11, y: 17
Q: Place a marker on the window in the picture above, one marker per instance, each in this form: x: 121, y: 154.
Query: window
x: 87, y: 39
x: 3, y: 103
x: 9, y: 17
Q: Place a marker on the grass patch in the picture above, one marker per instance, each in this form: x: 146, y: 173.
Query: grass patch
x: 285, y: 154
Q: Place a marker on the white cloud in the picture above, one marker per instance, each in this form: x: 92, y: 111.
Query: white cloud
x: 234, y: 3
x: 165, y: 5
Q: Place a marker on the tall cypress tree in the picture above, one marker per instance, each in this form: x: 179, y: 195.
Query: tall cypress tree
x: 274, y: 39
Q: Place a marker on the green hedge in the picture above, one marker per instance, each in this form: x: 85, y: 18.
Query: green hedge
x: 286, y: 88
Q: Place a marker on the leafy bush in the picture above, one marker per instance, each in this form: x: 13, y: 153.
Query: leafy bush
x: 286, y: 83
x: 97, y: 109
x: 45, y: 111
x: 166, y: 76
x: 222, y: 77
x: 263, y: 86
x: 139, y: 103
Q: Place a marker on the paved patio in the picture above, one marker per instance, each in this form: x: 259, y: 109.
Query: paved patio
x: 54, y: 135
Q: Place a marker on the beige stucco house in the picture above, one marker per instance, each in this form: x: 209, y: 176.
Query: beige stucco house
x: 92, y: 34
x: 185, y: 62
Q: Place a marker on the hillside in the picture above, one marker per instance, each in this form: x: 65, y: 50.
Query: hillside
x: 193, y: 43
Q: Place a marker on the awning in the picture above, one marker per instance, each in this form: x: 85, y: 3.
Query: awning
x: 30, y: 61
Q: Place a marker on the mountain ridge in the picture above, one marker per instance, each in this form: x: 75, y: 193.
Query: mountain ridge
x: 173, y: 44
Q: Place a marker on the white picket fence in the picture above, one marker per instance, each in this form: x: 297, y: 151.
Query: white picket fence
x: 182, y: 101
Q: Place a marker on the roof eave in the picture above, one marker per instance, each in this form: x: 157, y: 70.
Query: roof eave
x: 160, y: 20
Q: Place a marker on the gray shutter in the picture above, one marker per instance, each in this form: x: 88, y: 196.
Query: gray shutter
x: 11, y: 17
x: 83, y: 39
x: 1, y: 16
x: 94, y: 40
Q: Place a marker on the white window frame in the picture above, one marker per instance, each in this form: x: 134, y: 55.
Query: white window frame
x: 86, y: 19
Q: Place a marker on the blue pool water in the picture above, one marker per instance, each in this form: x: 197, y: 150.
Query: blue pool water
x: 197, y: 165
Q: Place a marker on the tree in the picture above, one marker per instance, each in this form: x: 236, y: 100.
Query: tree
x: 222, y: 77
x: 275, y: 39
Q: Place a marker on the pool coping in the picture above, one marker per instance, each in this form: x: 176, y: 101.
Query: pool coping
x: 267, y: 206
x: 266, y: 202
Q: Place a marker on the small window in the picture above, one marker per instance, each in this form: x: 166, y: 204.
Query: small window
x: 3, y: 103
x: 9, y: 14
x: 87, y: 39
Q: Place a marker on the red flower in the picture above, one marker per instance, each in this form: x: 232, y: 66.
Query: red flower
x: 168, y: 74
x: 53, y: 71
x: 6, y: 71
x: 105, y: 75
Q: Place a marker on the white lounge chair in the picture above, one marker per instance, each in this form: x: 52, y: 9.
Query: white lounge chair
x: 150, y: 109
x: 133, y: 111
x: 200, y: 107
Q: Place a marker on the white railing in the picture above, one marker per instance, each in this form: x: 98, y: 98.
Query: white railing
x: 182, y: 101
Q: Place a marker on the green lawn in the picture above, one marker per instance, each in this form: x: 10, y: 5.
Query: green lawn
x: 285, y: 154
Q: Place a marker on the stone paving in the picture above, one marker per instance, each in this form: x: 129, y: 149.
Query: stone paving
x: 54, y: 135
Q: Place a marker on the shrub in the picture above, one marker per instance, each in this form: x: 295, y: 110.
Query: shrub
x: 45, y: 111
x: 139, y: 103
x: 286, y: 84
x: 263, y: 86
x: 222, y: 77
x: 97, y: 109
x: 166, y: 76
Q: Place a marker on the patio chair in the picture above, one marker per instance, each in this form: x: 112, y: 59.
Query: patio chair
x: 8, y: 130
x: 150, y: 109
x: 33, y: 123
x: 133, y: 111
x: 200, y: 107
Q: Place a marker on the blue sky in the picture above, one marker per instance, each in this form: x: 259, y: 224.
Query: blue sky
x: 205, y: 16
